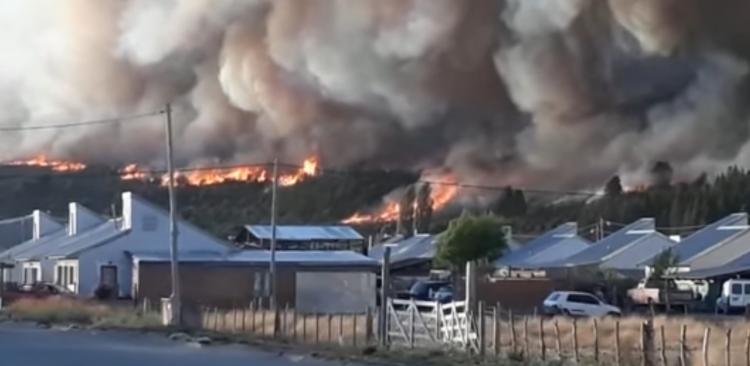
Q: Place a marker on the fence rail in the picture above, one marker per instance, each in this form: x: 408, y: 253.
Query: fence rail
x: 649, y: 341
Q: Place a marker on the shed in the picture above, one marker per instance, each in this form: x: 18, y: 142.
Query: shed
x: 309, y: 281
x: 302, y: 237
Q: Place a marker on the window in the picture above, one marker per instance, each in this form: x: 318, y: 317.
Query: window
x: 736, y: 289
x: 747, y: 289
x: 554, y: 296
x: 582, y: 299
x: 66, y: 276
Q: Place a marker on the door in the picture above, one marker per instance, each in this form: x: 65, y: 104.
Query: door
x: 735, y: 296
x: 586, y: 305
x: 108, y: 278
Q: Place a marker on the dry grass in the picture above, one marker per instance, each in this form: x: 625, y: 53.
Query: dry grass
x: 73, y: 311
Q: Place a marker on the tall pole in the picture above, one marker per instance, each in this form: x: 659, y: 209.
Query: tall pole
x: 175, y: 299
x: 272, y: 265
x: 272, y: 269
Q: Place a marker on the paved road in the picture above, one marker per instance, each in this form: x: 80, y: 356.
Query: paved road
x: 23, y: 345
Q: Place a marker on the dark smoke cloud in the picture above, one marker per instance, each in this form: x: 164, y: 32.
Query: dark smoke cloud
x: 544, y: 93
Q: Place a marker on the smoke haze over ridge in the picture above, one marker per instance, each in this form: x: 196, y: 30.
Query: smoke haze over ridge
x: 542, y: 93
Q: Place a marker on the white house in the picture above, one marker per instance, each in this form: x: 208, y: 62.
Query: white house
x: 92, y: 250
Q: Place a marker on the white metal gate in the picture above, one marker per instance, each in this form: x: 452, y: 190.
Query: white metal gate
x: 429, y: 323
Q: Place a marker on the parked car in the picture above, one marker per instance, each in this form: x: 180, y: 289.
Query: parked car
x: 578, y: 304
x: 424, y: 290
x: 735, y: 295
x: 14, y: 293
x: 663, y: 292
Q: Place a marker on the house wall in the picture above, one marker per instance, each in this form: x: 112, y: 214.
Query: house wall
x: 210, y: 284
x: 335, y: 292
x: 149, y: 231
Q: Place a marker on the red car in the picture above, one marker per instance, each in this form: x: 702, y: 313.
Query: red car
x: 13, y: 292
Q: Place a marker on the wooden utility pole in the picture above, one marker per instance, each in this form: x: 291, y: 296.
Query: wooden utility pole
x: 175, y: 298
x: 385, y: 280
x: 272, y: 265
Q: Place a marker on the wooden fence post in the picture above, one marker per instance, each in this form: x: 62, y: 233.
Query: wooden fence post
x: 526, y: 348
x: 481, y: 331
x: 596, y: 341
x: 317, y: 329
x: 263, y: 322
x: 304, y: 328
x: 285, y: 327
x: 558, y: 341
x: 683, y: 345
x: 244, y: 319
x: 747, y: 348
x: 512, y: 322
x: 234, y: 320
x: 354, y: 330
x: 341, y: 329
x: 617, y: 343
x: 216, y: 319
x: 294, y: 324
x: 576, y: 355
x: 329, y: 320
x: 496, y: 329
x: 254, y: 311
x: 438, y: 321
x: 542, y: 344
x: 647, y: 343
x: 706, y: 336
x: 728, y: 348
x: 368, y: 326
x: 412, y: 309
x: 663, y: 341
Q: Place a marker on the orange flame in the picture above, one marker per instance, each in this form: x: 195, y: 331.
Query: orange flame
x: 440, y: 196
x: 199, y: 177
x: 56, y: 165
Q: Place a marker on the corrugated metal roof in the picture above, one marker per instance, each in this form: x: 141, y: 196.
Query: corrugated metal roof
x: 95, y: 236
x: 305, y: 233
x: 300, y: 257
x: 640, y: 251
x: 15, y: 231
x: 714, y: 234
x: 610, y: 245
x: 46, y: 241
x: 556, y: 244
x: 723, y: 254
x: 418, y: 247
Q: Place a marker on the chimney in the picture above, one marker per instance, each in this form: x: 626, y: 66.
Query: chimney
x: 43, y: 224
x: 80, y: 218
x: 127, y: 210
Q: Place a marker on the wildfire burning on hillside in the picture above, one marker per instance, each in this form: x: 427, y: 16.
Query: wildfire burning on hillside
x: 440, y: 196
x: 196, y: 177
x: 55, y: 165
x: 207, y: 177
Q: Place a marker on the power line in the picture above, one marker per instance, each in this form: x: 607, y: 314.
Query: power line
x: 112, y: 120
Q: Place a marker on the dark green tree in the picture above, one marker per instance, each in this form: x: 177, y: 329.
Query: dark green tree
x: 613, y: 187
x: 469, y: 238
x: 406, y: 212
x: 423, y: 214
x: 663, y: 262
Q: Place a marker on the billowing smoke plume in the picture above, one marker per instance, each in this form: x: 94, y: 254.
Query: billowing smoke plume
x: 544, y: 93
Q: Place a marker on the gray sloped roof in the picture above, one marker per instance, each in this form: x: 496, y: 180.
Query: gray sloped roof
x: 556, y: 244
x: 15, y: 231
x: 415, y: 248
x: 299, y: 257
x: 710, y: 236
x: 20, y: 251
x: 640, y: 251
x: 738, y: 265
x: 93, y: 237
x: 610, y: 245
x: 305, y: 232
x: 723, y: 254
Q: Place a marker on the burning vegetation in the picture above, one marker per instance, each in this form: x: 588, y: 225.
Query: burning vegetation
x: 43, y: 161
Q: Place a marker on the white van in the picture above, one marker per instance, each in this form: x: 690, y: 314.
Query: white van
x: 735, y: 295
